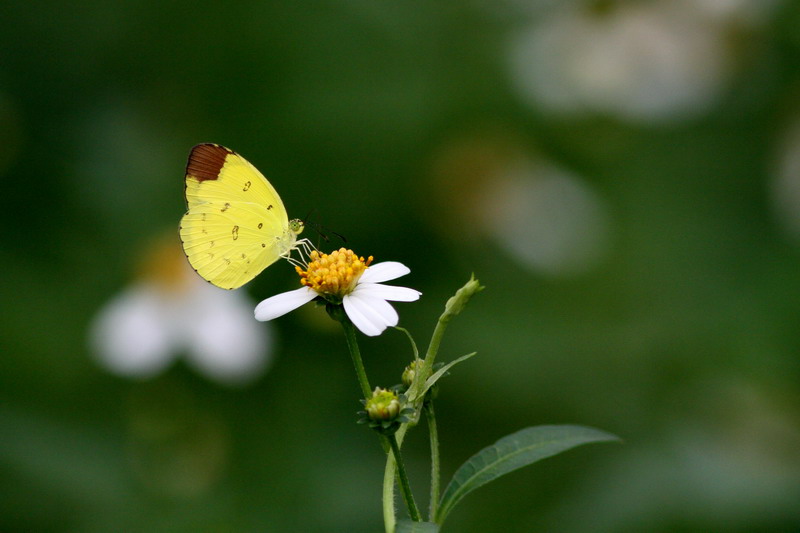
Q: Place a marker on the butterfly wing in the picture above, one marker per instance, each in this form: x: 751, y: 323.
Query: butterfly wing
x: 236, y: 224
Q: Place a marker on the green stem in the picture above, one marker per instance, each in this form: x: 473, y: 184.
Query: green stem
x: 436, y: 338
x: 388, y: 482
x: 388, y: 495
x: 361, y: 373
x: 408, y: 497
x: 430, y: 355
x: 430, y: 415
x: 355, y: 354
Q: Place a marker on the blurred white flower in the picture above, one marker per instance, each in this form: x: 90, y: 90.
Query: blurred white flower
x: 171, y: 311
x: 738, y: 12
x: 547, y: 218
x: 786, y: 181
x: 653, y: 61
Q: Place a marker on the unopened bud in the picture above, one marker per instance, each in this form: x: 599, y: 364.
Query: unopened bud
x: 383, y: 406
x: 410, y: 372
x: 457, y: 303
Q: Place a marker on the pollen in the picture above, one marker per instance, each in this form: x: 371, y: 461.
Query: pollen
x: 333, y: 274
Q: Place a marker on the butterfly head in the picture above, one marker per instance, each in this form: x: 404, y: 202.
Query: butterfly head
x: 296, y: 226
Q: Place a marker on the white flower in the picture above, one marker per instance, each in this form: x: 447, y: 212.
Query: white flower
x: 786, y: 181
x: 342, y: 277
x: 172, y: 311
x: 643, y: 61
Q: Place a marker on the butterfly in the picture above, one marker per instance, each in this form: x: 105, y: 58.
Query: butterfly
x: 235, y: 225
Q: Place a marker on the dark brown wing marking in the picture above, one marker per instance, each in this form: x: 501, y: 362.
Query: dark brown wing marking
x: 205, y: 161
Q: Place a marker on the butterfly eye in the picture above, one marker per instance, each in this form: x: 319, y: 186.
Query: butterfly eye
x: 296, y: 226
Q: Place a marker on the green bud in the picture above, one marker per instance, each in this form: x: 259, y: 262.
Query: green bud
x: 384, y: 411
x: 457, y: 303
x: 384, y: 405
x: 410, y: 372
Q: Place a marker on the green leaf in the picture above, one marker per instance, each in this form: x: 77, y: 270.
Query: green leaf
x: 512, y: 452
x: 412, y: 396
x: 442, y: 371
x: 408, y: 526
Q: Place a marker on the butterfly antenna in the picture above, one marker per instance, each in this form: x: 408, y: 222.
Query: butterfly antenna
x: 317, y: 227
x: 307, y: 219
x: 322, y: 233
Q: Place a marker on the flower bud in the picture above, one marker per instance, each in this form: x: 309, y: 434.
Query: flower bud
x: 457, y: 303
x: 384, y: 411
x: 410, y: 372
x: 384, y: 405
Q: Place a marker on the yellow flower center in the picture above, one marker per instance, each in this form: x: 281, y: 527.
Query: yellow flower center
x: 333, y: 274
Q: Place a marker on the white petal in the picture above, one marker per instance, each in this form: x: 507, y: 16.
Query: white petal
x: 133, y: 335
x: 388, y: 292
x: 378, y: 307
x: 280, y: 304
x: 363, y: 317
x: 384, y: 272
x: 223, y: 340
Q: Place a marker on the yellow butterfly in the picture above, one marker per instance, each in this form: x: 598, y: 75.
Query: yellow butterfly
x: 235, y: 225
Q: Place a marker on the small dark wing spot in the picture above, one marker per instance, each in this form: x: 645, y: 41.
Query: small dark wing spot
x: 260, y: 225
x: 246, y: 186
x: 235, y: 232
x: 263, y: 245
x: 225, y: 207
x: 269, y: 207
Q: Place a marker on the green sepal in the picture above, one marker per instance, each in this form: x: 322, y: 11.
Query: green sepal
x: 335, y: 311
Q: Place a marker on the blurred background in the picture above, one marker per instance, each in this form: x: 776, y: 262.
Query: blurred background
x: 623, y: 176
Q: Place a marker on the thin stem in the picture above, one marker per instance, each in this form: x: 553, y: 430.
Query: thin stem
x: 436, y: 338
x: 433, y: 349
x: 408, y: 497
x: 389, y: 481
x: 355, y: 354
x: 388, y: 495
x: 361, y: 373
x: 430, y: 415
